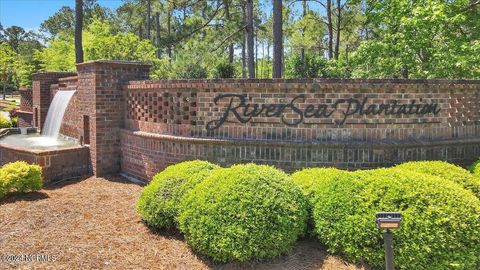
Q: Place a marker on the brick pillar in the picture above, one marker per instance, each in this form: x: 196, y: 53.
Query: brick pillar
x: 101, y: 102
x: 41, y: 94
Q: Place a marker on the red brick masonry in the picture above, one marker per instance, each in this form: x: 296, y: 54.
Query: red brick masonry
x: 166, y: 123
x: 56, y: 164
x: 140, y: 127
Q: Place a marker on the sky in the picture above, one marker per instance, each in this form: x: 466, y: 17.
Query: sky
x: 29, y: 14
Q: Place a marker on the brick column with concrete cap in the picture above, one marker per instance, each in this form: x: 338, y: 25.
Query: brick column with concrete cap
x: 101, y: 98
x: 41, y: 94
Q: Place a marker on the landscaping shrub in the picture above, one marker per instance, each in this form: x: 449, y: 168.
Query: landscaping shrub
x: 159, y: 202
x: 224, y: 70
x: 445, y: 170
x: 20, y: 177
x: 440, y: 225
x: 14, y: 122
x: 244, y: 212
x: 475, y: 168
x: 193, y: 71
x: 308, y: 179
x: 5, y: 122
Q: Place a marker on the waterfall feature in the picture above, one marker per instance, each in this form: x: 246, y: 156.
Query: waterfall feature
x: 55, y: 113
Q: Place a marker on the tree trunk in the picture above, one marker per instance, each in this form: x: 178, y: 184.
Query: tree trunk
x: 268, y: 57
x: 339, y: 22
x: 157, y: 28
x: 330, y: 29
x: 78, y: 31
x: 250, y: 40
x: 302, y: 50
x: 277, y: 39
x: 169, y: 31
x: 227, y: 18
x: 244, y: 60
x: 149, y: 25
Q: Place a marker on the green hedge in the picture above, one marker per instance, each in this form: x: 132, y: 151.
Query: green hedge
x: 20, y: 177
x: 475, y: 168
x: 445, y: 170
x: 440, y: 226
x: 244, y: 212
x: 158, y: 204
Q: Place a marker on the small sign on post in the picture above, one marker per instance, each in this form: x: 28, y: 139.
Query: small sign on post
x: 388, y: 221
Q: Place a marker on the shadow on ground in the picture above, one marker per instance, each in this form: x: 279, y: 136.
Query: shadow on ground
x: 29, y: 197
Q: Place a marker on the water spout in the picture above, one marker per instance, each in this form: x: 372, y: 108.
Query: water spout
x: 55, y: 113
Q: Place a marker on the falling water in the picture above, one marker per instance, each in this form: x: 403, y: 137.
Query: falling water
x: 56, y: 112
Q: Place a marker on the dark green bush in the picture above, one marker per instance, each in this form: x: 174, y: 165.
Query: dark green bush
x: 14, y: 121
x: 225, y: 70
x: 20, y: 177
x: 440, y: 226
x: 244, y: 212
x: 193, y: 71
x: 475, y: 168
x: 445, y: 170
x: 311, y: 66
x: 158, y: 204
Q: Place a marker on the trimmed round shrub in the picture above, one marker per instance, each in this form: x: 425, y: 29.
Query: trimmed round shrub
x: 5, y: 122
x: 158, y: 204
x: 244, y: 212
x: 20, y: 177
x: 308, y: 179
x: 475, y: 168
x: 440, y: 220
x: 445, y: 170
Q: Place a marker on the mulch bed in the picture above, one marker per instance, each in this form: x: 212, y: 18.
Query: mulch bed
x: 92, y: 224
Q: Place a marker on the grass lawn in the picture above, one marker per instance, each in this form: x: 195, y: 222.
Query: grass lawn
x: 93, y: 224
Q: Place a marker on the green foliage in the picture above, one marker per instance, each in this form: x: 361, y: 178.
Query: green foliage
x: 475, y: 168
x: 225, y: 70
x: 100, y: 41
x: 309, y: 67
x: 8, y: 87
x: 426, y: 39
x: 5, y: 122
x: 159, y: 202
x: 309, y: 179
x: 20, y: 177
x: 447, y: 171
x: 192, y: 71
x: 242, y: 213
x: 440, y: 220
x: 14, y: 122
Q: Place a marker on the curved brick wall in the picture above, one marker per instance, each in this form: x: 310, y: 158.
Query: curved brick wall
x: 343, y: 123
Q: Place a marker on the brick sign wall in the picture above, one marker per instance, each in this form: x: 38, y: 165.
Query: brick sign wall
x: 299, y: 123
x: 139, y: 127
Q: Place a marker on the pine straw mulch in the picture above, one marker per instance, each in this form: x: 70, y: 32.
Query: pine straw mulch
x: 92, y: 224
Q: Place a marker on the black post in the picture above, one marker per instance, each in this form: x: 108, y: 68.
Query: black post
x: 388, y: 240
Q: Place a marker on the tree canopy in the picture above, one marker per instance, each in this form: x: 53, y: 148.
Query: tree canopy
x: 211, y: 38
